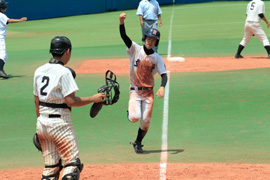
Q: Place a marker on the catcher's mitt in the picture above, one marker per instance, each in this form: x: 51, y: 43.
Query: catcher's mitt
x: 36, y: 142
x: 111, y: 90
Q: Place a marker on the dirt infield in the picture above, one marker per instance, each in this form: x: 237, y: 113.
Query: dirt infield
x: 191, y: 64
x: 175, y: 171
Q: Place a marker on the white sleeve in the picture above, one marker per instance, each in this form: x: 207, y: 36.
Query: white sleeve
x: 68, y: 84
x: 132, y: 50
x: 4, y: 19
x: 35, y: 86
x: 140, y: 9
x: 159, y: 10
x: 161, y: 68
x: 262, y: 9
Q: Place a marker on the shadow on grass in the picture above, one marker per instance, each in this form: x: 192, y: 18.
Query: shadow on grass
x: 12, y: 76
x: 171, y: 151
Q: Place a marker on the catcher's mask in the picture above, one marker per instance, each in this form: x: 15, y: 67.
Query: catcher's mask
x: 59, y: 45
x: 111, y: 91
x: 153, y: 33
x: 112, y: 88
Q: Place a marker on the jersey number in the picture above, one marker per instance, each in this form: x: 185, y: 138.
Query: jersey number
x: 45, y: 79
x: 136, y: 63
x: 252, y: 5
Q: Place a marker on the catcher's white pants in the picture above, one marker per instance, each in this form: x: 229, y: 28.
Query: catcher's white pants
x: 58, y: 140
x: 254, y: 28
x: 141, y: 107
x: 3, y: 52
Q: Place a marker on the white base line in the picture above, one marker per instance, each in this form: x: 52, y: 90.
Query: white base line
x: 164, y: 146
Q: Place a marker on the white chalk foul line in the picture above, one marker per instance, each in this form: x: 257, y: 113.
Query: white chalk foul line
x: 164, y: 146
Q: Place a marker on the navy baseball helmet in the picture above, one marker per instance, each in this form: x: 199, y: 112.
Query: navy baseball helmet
x: 153, y: 33
x: 59, y: 45
x: 3, y: 4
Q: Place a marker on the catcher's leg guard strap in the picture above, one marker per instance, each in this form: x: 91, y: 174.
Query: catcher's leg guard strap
x: 75, y: 175
x: 53, y: 176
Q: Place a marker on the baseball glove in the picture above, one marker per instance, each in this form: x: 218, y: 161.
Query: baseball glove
x: 36, y: 142
x: 111, y: 90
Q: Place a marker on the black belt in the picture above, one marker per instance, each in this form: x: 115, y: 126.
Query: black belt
x: 52, y: 105
x: 54, y: 115
x: 142, y: 88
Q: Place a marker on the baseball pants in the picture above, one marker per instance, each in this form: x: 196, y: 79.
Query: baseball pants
x: 140, y: 107
x: 254, y: 28
x: 3, y: 52
x: 58, y: 140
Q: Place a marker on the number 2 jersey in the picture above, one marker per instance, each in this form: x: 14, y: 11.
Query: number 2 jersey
x: 143, y: 67
x: 52, y: 83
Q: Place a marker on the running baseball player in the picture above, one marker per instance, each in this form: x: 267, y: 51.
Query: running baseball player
x: 54, y: 93
x: 144, y: 63
x: 255, y: 12
x: 4, y: 20
x: 150, y: 17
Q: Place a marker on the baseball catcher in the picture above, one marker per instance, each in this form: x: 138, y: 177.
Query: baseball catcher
x: 35, y: 137
x: 111, y: 90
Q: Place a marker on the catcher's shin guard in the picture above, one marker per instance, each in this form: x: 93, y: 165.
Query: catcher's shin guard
x: 75, y: 175
x: 56, y: 175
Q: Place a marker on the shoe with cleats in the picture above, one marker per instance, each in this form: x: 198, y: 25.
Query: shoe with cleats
x: 137, y: 147
x: 237, y: 56
x: 3, y: 75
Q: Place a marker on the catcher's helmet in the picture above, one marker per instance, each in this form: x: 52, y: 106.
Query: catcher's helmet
x: 59, y: 45
x: 153, y: 33
x: 3, y: 4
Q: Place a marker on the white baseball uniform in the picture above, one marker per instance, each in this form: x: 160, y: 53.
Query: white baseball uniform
x: 252, y: 25
x: 52, y: 83
x: 3, y: 32
x: 143, y: 67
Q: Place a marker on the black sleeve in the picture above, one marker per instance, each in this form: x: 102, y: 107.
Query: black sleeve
x: 261, y: 15
x: 164, y: 79
x: 124, y: 36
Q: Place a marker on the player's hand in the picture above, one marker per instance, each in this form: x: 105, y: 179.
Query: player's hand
x: 122, y: 18
x: 24, y: 19
x: 160, y: 23
x: 142, y: 23
x: 267, y: 25
x: 160, y: 92
x: 99, y: 97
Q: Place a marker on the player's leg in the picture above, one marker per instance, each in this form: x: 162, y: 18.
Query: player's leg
x: 247, y: 36
x: 147, y: 108
x: 134, y: 107
x: 3, y: 58
x: 66, y: 143
x: 260, y: 34
x: 51, y: 157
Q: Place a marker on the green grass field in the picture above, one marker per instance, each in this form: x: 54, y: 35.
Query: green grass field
x: 213, y: 116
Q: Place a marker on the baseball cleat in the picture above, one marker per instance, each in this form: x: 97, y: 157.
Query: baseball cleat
x: 137, y: 147
x: 237, y: 56
x: 3, y: 75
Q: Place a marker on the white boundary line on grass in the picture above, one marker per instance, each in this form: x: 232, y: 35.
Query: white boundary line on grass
x: 164, y: 146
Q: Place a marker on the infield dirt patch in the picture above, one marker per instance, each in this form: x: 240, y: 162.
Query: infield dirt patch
x: 191, y: 64
x: 175, y: 171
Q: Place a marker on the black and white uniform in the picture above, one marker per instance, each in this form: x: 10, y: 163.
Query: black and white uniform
x: 52, y: 83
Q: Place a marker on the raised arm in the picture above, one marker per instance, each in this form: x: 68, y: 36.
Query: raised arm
x: 123, y: 34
